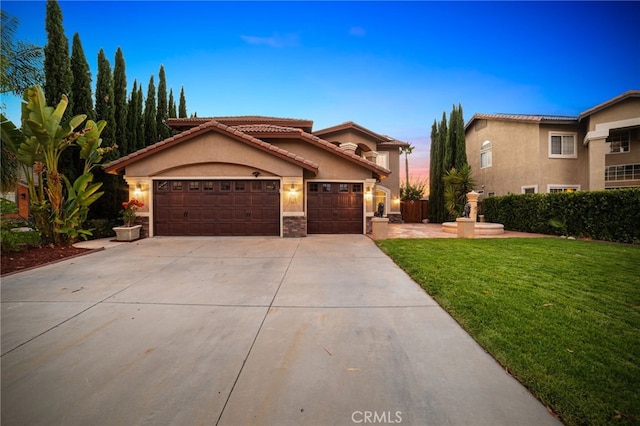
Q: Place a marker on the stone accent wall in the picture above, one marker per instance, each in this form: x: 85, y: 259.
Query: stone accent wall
x: 369, y: 225
x: 144, y: 221
x: 395, y: 218
x: 294, y: 226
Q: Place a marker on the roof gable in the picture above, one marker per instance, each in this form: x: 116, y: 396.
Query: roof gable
x: 210, y: 126
x: 271, y: 131
x: 609, y: 103
x: 185, y: 123
x: 382, y: 140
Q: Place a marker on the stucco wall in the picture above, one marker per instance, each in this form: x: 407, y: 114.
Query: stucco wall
x: 627, y: 109
x: 520, y: 157
x: 350, y: 135
x: 212, y: 154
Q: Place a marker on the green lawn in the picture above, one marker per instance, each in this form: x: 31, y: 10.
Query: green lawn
x: 562, y: 316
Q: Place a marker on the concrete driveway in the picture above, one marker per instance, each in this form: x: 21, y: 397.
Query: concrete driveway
x: 323, y: 330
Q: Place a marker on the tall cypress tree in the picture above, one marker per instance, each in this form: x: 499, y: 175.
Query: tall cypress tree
x: 133, y: 121
x: 172, y: 105
x: 439, y: 130
x: 140, y: 139
x: 150, y: 124
x: 104, y: 102
x: 57, y: 65
x: 450, y: 144
x: 163, y: 111
x: 461, y: 145
x: 107, y: 205
x: 57, y: 74
x: 81, y: 94
x: 120, y: 103
x: 182, y: 106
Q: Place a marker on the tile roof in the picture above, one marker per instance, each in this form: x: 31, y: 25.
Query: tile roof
x: 626, y: 95
x: 384, y: 140
x: 266, y: 131
x: 533, y: 118
x: 242, y: 120
x: 211, y: 125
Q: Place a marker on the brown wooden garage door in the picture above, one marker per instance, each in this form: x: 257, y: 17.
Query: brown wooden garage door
x: 334, y: 208
x: 216, y: 207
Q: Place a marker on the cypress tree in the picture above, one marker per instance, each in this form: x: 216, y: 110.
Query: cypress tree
x: 81, y: 95
x: 133, y: 121
x: 150, y: 124
x: 57, y: 74
x: 104, y: 102
x: 140, y: 140
x: 57, y: 65
x: 461, y: 145
x: 172, y: 105
x: 450, y: 144
x: 120, y: 103
x: 107, y: 205
x: 182, y: 106
x: 162, y: 111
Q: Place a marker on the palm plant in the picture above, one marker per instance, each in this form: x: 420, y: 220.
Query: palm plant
x: 457, y: 183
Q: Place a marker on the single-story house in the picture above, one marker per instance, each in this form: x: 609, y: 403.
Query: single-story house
x: 255, y: 175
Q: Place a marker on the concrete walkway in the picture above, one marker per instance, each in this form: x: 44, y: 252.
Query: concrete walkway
x: 323, y: 330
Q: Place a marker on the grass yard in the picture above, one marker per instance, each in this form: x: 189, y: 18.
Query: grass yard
x: 562, y: 316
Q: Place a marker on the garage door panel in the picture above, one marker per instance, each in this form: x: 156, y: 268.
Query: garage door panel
x: 334, y: 208
x: 217, y: 207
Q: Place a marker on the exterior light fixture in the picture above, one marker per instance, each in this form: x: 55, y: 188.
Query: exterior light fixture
x: 256, y: 174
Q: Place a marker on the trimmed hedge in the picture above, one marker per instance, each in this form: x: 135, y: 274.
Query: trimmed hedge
x: 611, y: 215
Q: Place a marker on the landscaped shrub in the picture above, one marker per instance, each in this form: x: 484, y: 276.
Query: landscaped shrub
x: 101, y: 228
x: 612, y: 215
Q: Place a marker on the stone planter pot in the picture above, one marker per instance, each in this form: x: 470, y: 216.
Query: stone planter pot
x: 127, y: 233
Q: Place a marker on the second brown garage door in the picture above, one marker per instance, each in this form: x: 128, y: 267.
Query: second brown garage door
x: 334, y: 208
x: 216, y: 207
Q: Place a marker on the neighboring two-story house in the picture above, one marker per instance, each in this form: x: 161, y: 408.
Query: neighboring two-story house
x: 599, y: 149
x: 257, y: 175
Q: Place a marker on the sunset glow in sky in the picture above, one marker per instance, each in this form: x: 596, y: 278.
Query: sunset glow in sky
x: 392, y: 67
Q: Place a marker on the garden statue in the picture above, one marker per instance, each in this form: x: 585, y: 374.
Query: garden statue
x: 380, y: 211
x: 467, y: 210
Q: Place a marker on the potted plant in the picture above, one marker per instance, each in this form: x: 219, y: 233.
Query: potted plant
x: 129, y: 231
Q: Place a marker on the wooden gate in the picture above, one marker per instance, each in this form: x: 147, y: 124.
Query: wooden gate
x: 414, y: 211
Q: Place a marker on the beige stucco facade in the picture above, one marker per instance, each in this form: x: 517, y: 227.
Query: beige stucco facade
x: 512, y: 154
x: 207, y: 150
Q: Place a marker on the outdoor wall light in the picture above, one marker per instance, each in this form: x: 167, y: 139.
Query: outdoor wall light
x: 292, y: 190
x: 138, y: 190
x: 256, y: 174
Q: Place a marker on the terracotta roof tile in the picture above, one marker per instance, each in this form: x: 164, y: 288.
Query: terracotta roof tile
x: 122, y: 162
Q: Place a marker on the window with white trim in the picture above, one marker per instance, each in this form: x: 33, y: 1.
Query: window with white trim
x: 622, y: 172
x: 530, y: 189
x: 619, y: 141
x: 485, y: 155
x: 562, y: 145
x: 563, y: 188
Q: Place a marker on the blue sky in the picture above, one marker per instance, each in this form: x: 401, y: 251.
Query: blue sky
x: 392, y: 67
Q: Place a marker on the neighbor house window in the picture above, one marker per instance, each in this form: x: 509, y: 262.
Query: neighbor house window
x: 530, y: 189
x: 619, y: 141
x: 485, y: 155
x: 563, y: 188
x: 562, y: 145
x: 622, y: 172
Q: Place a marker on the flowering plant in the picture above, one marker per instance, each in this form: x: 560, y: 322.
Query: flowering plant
x: 129, y: 212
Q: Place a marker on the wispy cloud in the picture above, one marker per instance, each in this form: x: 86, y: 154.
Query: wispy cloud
x: 275, y: 40
x: 357, y: 31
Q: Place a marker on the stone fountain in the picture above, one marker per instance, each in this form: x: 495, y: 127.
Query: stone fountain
x: 468, y: 227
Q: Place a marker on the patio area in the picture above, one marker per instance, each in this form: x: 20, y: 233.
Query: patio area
x: 434, y: 230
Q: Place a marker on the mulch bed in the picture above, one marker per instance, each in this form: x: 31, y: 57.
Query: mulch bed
x: 38, y: 256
